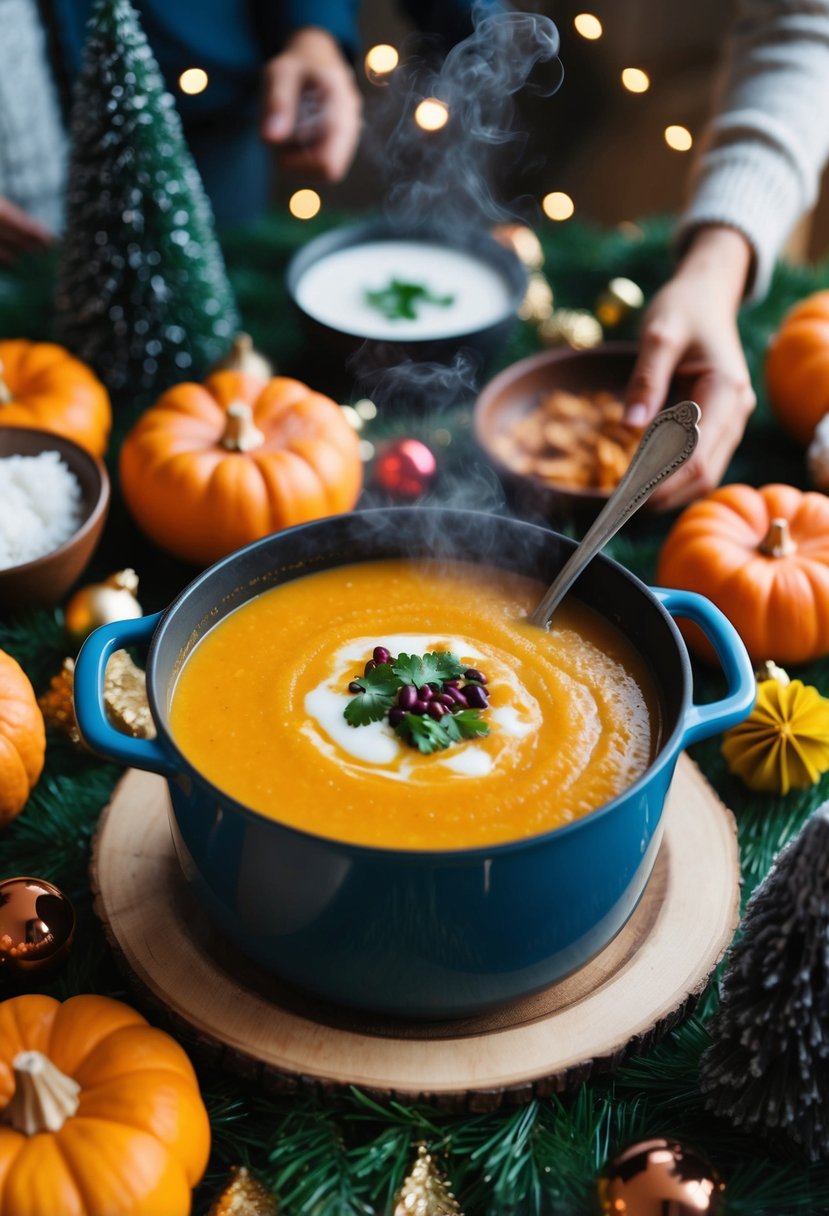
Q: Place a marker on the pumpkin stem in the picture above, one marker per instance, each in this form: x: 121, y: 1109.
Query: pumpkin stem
x: 778, y: 540
x: 5, y: 392
x: 44, y: 1097
x: 241, y: 434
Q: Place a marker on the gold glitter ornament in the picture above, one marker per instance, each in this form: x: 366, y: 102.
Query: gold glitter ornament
x: 783, y: 744
x: 100, y: 603
x: 622, y: 298
x: 523, y: 242
x: 537, y: 304
x: 570, y: 327
x: 659, y: 1178
x: 37, y: 927
x: 57, y: 703
x: 125, y: 699
x: 244, y: 357
x: 244, y: 1195
x: 424, y: 1192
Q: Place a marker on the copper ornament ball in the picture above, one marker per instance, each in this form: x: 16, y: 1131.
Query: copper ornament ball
x: 37, y: 926
x: 659, y: 1178
x: 405, y: 468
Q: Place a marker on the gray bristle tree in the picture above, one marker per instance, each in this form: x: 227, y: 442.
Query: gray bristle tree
x: 142, y: 294
x: 767, y: 1069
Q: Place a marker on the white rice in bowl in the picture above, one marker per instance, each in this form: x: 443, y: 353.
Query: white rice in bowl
x: 40, y: 506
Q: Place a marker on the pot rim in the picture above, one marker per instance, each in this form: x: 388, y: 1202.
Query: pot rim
x: 667, y: 753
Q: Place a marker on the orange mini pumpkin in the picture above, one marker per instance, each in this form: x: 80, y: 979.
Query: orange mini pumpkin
x: 22, y: 738
x: 797, y: 367
x: 43, y: 386
x: 213, y: 466
x: 100, y: 1113
x: 762, y: 556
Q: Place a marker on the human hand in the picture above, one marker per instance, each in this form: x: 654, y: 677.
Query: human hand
x: 19, y: 233
x: 690, y: 330
x: 312, y: 107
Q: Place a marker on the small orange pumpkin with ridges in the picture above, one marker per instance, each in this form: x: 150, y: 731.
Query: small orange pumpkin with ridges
x: 43, y: 386
x: 22, y: 738
x: 762, y: 556
x: 797, y: 367
x: 213, y: 466
x: 100, y: 1113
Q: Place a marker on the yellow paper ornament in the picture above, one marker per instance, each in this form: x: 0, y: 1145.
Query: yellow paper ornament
x: 244, y: 1195
x: 424, y: 1192
x: 784, y: 742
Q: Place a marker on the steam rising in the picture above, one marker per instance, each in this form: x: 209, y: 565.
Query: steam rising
x: 447, y: 181
x: 447, y: 177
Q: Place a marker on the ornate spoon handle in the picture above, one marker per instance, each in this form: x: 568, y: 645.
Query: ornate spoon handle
x: 666, y: 444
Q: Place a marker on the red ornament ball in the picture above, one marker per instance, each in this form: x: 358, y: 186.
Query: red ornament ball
x: 405, y: 468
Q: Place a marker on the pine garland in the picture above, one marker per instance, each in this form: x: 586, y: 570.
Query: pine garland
x: 350, y: 1153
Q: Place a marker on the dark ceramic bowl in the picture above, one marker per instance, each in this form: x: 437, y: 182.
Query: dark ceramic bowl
x: 519, y: 389
x: 418, y: 933
x: 366, y: 355
x: 42, y: 583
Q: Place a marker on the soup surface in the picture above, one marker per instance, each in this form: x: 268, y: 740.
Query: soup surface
x: 259, y: 707
x: 472, y: 294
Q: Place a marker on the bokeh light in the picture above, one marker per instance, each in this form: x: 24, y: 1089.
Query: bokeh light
x: 588, y: 26
x: 635, y: 80
x: 380, y: 61
x: 679, y: 138
x: 431, y: 114
x: 304, y: 204
x: 192, y: 81
x: 557, y: 205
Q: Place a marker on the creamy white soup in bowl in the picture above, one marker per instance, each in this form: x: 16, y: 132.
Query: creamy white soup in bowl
x: 418, y: 295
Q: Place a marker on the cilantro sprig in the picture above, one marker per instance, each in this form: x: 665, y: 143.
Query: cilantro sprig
x: 379, y: 688
x: 433, y: 678
x: 399, y: 300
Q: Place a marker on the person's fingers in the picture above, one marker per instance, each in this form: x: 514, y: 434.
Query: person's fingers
x: 726, y: 400
x: 660, y: 350
x: 20, y: 230
x: 325, y: 142
x: 284, y: 77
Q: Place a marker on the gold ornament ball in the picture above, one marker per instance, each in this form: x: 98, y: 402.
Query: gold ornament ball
x: 571, y: 327
x: 620, y: 299
x: 537, y: 304
x: 523, y: 242
x: 37, y: 927
x: 659, y: 1178
x: 101, y: 603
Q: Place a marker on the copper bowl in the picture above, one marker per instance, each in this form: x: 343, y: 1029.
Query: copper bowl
x: 43, y: 582
x: 521, y: 387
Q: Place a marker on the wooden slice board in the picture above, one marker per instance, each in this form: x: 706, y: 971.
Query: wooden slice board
x: 227, y: 1007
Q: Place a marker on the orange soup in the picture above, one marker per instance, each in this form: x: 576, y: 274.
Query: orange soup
x: 571, y: 714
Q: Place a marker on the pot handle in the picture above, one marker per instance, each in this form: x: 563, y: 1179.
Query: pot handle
x: 90, y: 711
x: 701, y: 721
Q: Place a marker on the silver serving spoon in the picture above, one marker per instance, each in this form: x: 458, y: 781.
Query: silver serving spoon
x: 666, y: 444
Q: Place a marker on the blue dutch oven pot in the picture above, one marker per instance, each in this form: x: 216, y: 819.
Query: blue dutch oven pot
x: 416, y: 933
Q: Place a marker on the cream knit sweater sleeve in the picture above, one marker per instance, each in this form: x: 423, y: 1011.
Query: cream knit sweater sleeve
x: 762, y: 156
